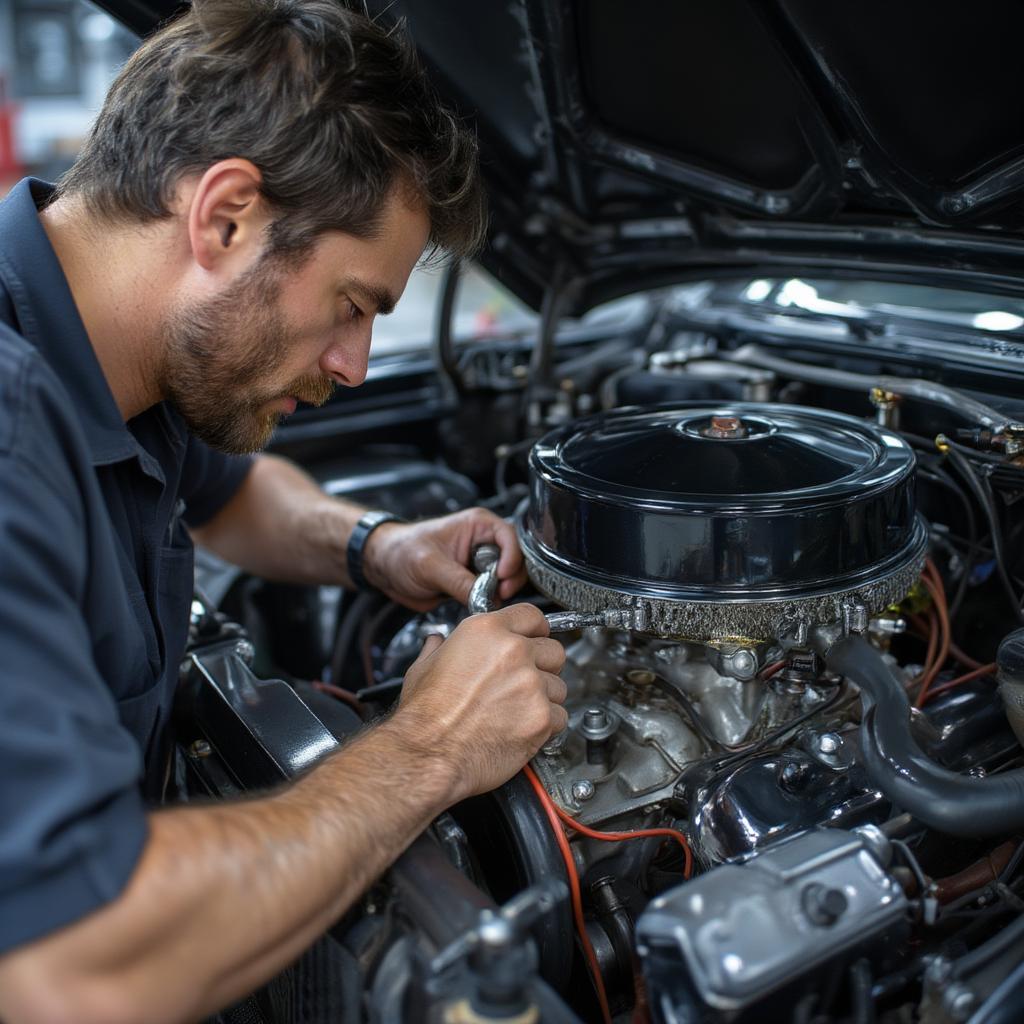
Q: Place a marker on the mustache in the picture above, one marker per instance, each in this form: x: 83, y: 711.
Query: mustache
x: 313, y: 390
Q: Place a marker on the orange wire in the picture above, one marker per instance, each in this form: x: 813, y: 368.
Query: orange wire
x: 922, y: 630
x: 574, y: 890
x: 983, y: 670
x: 618, y: 837
x: 932, y: 632
x: 340, y: 694
x: 933, y: 584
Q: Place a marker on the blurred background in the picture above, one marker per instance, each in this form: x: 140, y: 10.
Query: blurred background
x: 57, y: 60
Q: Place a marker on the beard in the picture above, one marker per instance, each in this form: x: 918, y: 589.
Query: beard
x: 220, y: 354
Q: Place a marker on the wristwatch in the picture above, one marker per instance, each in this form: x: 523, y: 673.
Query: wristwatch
x: 357, y: 543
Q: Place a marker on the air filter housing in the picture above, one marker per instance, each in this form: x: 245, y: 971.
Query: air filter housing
x: 744, y: 522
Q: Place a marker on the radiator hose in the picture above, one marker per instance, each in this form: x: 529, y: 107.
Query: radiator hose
x: 958, y: 805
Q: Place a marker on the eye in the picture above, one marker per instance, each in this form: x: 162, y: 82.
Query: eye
x: 350, y: 311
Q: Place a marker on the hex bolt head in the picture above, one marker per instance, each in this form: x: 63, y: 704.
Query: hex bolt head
x: 828, y: 743
x: 595, y: 718
x: 793, y: 777
x: 743, y: 664
x: 582, y: 790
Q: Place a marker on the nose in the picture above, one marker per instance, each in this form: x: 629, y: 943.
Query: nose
x: 345, y: 363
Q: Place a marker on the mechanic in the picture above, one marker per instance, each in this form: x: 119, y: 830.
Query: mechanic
x: 262, y: 179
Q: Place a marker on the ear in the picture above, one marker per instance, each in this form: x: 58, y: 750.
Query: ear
x: 227, y: 217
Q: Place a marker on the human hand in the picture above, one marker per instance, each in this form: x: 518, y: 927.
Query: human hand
x: 485, y: 700
x: 420, y: 564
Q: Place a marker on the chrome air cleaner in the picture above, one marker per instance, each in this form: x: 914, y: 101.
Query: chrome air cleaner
x: 718, y: 523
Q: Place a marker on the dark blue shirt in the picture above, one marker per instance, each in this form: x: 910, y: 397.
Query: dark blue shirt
x: 95, y: 589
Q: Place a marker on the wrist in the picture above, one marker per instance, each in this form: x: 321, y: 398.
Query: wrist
x: 375, y: 555
x: 438, y: 777
x: 356, y: 551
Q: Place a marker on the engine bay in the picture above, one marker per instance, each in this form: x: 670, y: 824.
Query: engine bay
x: 789, y: 790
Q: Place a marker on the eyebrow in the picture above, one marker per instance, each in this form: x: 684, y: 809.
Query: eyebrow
x: 378, y: 296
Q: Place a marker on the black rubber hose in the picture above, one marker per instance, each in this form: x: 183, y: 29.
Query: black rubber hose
x: 983, y: 492
x: 958, y: 805
x: 445, y: 359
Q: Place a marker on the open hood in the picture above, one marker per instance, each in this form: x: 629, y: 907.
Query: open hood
x: 626, y: 144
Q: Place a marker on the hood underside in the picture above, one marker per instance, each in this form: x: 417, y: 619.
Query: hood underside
x: 624, y: 145
x: 627, y: 142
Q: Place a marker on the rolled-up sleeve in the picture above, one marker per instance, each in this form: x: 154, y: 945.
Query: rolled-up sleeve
x: 209, y: 480
x: 72, y: 820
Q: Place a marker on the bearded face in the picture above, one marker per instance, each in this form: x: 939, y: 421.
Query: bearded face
x: 225, y: 365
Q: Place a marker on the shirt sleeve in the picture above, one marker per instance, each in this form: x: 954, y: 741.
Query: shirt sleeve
x: 209, y: 480
x: 72, y: 819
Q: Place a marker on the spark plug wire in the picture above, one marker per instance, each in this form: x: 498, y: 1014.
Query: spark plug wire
x: 560, y: 820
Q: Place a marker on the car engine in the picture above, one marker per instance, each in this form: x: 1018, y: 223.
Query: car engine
x: 785, y: 792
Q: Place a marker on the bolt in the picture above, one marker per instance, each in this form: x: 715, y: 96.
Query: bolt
x: 793, y: 777
x: 822, y: 905
x: 743, y: 664
x: 582, y: 790
x: 959, y: 1001
x: 200, y: 748
x: 245, y: 650
x: 888, y: 627
x: 595, y: 718
x: 496, y: 933
x: 828, y: 743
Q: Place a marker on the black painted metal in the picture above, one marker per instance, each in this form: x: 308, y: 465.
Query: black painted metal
x: 643, y: 502
x: 261, y: 728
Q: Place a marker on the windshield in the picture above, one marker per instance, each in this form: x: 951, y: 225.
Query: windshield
x: 861, y: 300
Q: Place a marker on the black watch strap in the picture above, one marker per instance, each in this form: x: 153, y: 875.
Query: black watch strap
x: 357, y: 543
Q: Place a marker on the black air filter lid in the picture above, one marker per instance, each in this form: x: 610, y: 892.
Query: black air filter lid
x: 708, y: 502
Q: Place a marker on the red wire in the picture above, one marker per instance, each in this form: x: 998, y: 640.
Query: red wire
x: 773, y: 669
x: 574, y: 890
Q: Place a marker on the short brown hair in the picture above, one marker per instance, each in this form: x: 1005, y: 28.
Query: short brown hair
x: 333, y: 109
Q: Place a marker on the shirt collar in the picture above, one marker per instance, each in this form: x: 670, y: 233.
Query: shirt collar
x: 49, y: 320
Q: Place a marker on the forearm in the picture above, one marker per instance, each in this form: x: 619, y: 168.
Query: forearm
x: 227, y: 895
x: 280, y: 525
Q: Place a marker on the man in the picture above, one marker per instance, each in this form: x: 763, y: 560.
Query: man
x: 260, y: 183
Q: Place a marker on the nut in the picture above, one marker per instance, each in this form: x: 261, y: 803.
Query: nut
x: 725, y: 427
